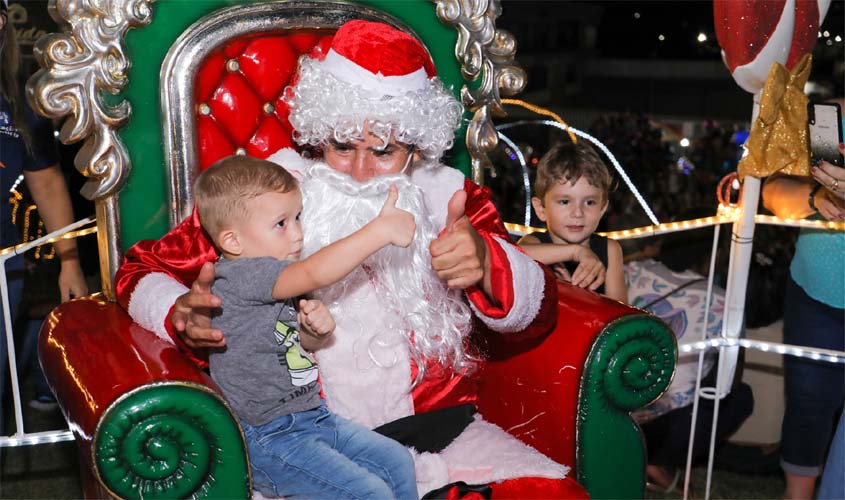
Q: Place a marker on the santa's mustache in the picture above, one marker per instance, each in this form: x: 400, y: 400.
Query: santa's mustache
x: 345, y: 184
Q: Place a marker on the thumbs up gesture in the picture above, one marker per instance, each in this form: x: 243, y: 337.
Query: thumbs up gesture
x: 458, y: 255
x: 397, y: 224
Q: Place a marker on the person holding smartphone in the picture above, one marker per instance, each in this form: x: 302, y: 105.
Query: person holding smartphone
x: 814, y: 316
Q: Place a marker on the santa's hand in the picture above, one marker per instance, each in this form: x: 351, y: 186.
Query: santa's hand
x: 590, y: 272
x: 458, y: 255
x: 315, y: 317
x: 191, y: 317
x: 397, y: 225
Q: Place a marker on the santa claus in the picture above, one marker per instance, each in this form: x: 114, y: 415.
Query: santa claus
x: 375, y: 113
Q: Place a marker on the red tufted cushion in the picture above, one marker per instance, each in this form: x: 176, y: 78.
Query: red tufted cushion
x: 239, y: 90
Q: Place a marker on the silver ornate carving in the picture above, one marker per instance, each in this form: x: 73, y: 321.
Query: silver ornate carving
x: 77, y: 65
x: 489, y: 53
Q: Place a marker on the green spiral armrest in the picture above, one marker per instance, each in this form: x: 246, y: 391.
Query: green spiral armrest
x: 171, y: 441
x: 149, y: 423
x: 630, y: 365
x: 570, y: 393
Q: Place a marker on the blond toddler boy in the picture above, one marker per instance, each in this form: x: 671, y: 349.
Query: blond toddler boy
x: 251, y: 209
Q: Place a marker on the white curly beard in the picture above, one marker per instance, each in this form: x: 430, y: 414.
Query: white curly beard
x: 394, y: 297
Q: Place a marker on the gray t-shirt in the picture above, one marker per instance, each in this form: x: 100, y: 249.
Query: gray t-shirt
x: 263, y: 371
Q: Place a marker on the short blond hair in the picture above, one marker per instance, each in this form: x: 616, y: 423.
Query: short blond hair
x: 568, y: 162
x: 221, y: 190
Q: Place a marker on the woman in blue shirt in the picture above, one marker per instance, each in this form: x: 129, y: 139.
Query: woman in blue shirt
x: 814, y: 316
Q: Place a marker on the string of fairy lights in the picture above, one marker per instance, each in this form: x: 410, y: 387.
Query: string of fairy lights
x: 725, y: 215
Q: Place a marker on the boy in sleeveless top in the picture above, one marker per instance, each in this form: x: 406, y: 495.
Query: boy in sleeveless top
x: 570, y: 196
x: 297, y: 447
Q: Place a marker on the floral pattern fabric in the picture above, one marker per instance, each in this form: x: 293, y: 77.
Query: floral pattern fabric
x: 683, y: 311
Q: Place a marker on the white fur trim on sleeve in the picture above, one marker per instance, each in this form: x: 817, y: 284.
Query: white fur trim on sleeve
x: 528, y: 285
x: 151, y: 301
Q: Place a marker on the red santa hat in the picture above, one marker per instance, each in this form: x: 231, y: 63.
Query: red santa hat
x: 374, y: 73
x: 379, y: 57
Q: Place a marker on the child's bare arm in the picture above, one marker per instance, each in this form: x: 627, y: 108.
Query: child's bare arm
x: 332, y: 263
x: 590, y: 272
x: 614, y: 286
x: 547, y: 253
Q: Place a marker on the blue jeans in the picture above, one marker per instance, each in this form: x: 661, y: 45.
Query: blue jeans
x: 28, y: 356
x: 814, y: 389
x: 316, y: 454
x: 833, y: 477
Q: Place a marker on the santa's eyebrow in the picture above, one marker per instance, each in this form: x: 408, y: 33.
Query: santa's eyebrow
x: 335, y: 142
x: 383, y: 147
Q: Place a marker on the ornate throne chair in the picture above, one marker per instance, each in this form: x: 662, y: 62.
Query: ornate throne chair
x: 205, y: 83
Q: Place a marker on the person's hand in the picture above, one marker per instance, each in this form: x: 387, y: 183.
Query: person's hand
x: 315, y: 318
x: 71, y: 281
x: 561, y: 273
x: 590, y: 272
x: 191, y: 318
x: 399, y: 225
x: 830, y: 206
x: 458, y: 254
x: 831, y: 177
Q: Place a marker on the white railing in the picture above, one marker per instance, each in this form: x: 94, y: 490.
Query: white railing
x: 20, y: 437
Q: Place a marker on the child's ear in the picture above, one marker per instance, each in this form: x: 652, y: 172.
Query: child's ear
x: 604, y: 206
x: 539, y: 208
x: 229, y: 242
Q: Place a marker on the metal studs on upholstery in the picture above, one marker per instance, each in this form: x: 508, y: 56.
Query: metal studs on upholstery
x: 239, y: 93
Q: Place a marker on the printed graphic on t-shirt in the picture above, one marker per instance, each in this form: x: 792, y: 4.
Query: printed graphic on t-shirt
x: 6, y: 127
x: 302, y: 369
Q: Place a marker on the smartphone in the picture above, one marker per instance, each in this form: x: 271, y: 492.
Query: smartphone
x: 825, y: 121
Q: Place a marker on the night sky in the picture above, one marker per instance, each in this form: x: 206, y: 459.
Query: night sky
x: 632, y: 29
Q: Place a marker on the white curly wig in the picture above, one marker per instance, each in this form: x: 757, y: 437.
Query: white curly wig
x: 324, y: 104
